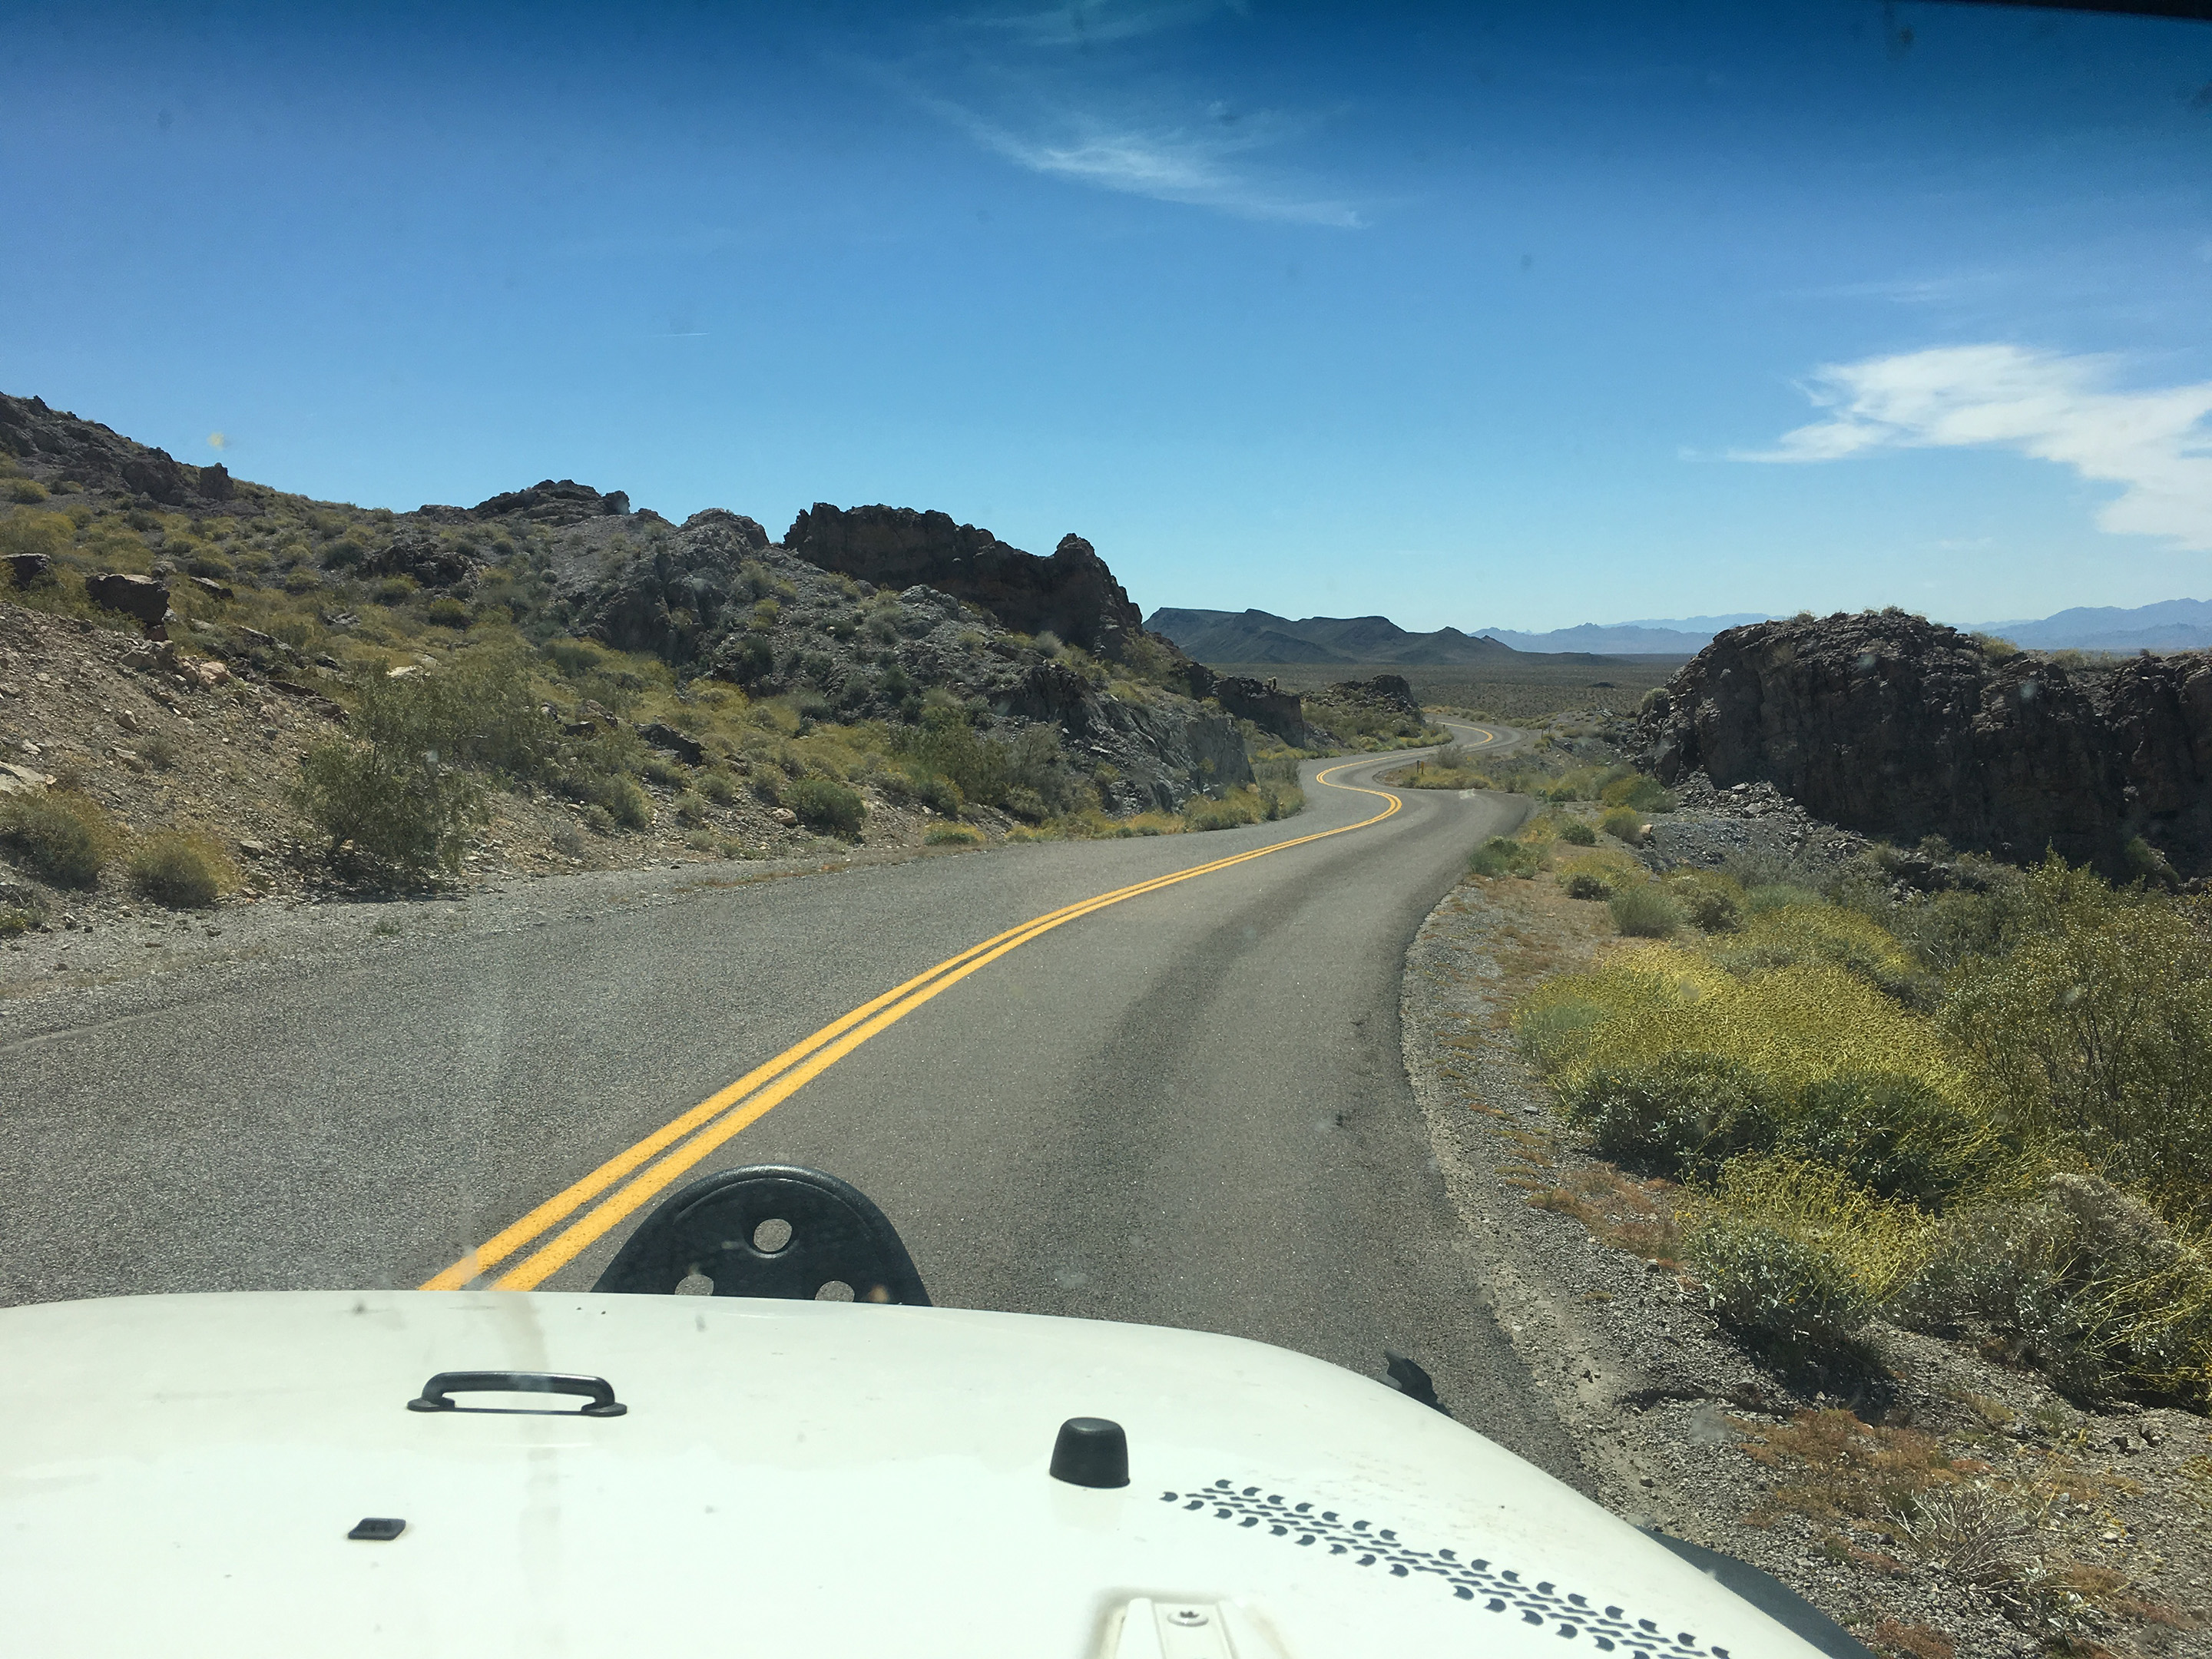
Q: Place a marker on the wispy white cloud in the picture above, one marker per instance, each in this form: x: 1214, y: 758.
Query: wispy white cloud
x: 2156, y: 445
x: 1101, y: 23
x: 1188, y: 164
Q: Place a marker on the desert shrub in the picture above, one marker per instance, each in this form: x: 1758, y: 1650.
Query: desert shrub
x: 1777, y: 895
x: 1652, y: 701
x: 2094, y: 1032
x: 63, y: 835
x: 158, y: 750
x: 1025, y: 803
x: 181, y: 869
x: 827, y: 807
x: 34, y: 532
x: 1638, y: 793
x: 1791, y: 1253
x: 1710, y: 902
x: 1683, y: 1113
x: 1502, y: 856
x: 982, y: 769
x: 567, y: 840
x: 19, y: 919
x: 1645, y: 912
x: 659, y: 768
x: 400, y: 789
x: 1575, y: 832
x: 1236, y: 807
x: 1894, y: 1136
x: 1795, y: 1025
x: 445, y: 612
x: 482, y: 711
x: 719, y: 787
x: 397, y: 805
x: 1785, y: 936
x: 1586, y: 885
x: 690, y: 811
x: 1624, y: 824
x: 953, y: 834
x: 2084, y: 1281
x: 25, y: 491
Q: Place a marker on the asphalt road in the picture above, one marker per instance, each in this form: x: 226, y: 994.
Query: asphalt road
x: 1188, y: 1108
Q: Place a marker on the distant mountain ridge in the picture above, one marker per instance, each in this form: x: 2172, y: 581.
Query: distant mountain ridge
x: 1259, y: 637
x: 2166, y: 625
x: 1651, y: 636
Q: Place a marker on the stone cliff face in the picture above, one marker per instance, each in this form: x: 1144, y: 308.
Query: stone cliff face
x: 1072, y: 594
x: 1897, y: 727
x: 1264, y: 703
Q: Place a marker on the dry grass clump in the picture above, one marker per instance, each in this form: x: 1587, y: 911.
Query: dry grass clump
x: 1623, y: 823
x: 1636, y: 1216
x: 954, y: 835
x: 182, y: 869
x: 63, y: 835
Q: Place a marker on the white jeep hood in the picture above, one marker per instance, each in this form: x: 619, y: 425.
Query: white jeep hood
x: 178, y: 1474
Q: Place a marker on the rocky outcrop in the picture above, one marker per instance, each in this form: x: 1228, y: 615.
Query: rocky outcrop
x: 1896, y: 727
x: 671, y: 598
x: 1072, y: 594
x: 56, y: 445
x: 1391, y: 691
x: 1160, y: 754
x: 1265, y: 703
x: 553, y: 502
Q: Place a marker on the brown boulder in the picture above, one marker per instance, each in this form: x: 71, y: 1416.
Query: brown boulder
x: 28, y: 568
x: 141, y: 596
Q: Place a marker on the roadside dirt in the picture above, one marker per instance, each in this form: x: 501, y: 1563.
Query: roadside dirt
x: 1947, y: 1507
x: 178, y: 741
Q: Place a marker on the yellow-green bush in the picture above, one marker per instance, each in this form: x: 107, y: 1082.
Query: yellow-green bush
x: 1503, y: 855
x: 182, y: 869
x: 954, y: 835
x: 1791, y: 1252
x: 1624, y: 824
x: 1645, y: 911
x: 2083, y: 1280
x: 2094, y: 1033
x: 1710, y: 901
x: 61, y: 834
x: 1796, y: 1025
x: 1775, y: 937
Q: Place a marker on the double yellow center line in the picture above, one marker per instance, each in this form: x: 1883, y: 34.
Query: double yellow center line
x: 633, y: 1178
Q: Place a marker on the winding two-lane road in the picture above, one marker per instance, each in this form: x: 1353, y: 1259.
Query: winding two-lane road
x: 1186, y: 1106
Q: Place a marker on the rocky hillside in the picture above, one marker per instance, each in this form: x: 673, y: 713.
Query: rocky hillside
x: 864, y: 615
x: 1896, y: 727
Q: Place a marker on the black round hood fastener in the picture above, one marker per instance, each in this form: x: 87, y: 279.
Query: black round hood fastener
x: 1092, y: 1451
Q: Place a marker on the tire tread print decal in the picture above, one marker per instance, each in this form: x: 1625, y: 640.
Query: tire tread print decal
x: 1500, y: 1589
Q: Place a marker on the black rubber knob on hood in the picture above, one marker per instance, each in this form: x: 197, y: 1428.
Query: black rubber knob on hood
x: 1090, y: 1451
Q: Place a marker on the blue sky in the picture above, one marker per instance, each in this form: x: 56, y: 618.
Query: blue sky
x: 1493, y: 315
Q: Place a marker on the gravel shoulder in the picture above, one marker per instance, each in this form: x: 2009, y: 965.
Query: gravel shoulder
x: 2070, y: 1531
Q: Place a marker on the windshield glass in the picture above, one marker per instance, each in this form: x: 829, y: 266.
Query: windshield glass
x: 1513, y: 696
